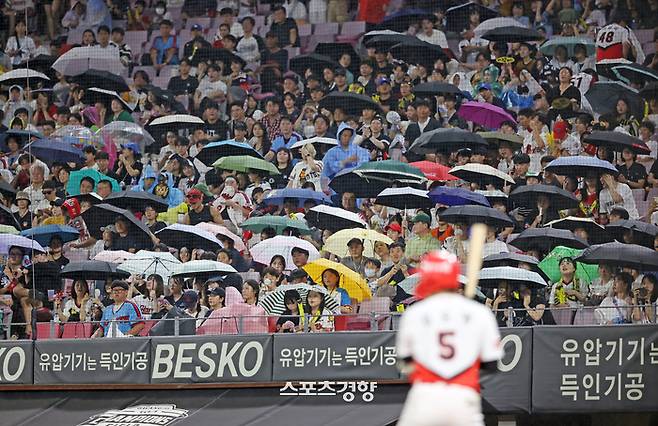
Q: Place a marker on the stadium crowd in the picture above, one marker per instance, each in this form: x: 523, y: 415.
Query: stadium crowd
x: 243, y: 159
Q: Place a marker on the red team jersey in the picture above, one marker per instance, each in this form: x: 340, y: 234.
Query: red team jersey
x: 610, y: 43
x: 448, y: 336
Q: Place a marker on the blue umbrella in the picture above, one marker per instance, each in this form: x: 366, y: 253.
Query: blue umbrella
x: 580, y: 166
x: 278, y: 196
x: 43, y: 234
x: 213, y: 151
x: 457, y: 197
x: 22, y: 135
x: 51, y: 150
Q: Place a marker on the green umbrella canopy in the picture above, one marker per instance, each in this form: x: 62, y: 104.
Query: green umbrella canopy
x: 279, y: 223
x: 395, y: 170
x: 73, y: 187
x: 7, y: 229
x: 244, y: 163
x: 550, y: 265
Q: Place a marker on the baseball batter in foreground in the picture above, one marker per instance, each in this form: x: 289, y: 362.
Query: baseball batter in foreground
x: 442, y: 343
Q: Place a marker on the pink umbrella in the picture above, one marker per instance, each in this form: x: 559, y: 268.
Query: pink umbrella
x: 236, y: 317
x: 485, y: 114
x: 215, y: 229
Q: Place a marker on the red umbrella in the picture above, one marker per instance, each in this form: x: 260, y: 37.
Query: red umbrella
x: 485, y: 114
x: 434, y: 171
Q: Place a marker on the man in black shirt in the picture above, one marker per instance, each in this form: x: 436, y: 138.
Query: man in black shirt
x: 55, y: 253
x: 214, y: 127
x: 284, y: 28
x: 274, y: 62
x: 184, y: 83
x: 395, y: 274
x: 196, y: 41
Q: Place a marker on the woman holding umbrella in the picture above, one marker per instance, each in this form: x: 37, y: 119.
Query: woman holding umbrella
x: 118, y: 113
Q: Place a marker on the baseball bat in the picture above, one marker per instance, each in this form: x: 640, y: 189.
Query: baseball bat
x: 474, y: 262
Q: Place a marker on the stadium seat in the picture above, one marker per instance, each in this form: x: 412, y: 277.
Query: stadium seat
x: 74, y: 36
x: 260, y: 20
x: 562, y: 316
x: 329, y: 28
x: 263, y: 30
x: 148, y: 325
x: 305, y: 30
x: 314, y: 40
x: 77, y: 330
x: 135, y: 39
x: 640, y: 203
x: 44, y: 331
x: 263, y: 8
x: 644, y: 36
x: 184, y: 35
x: 353, y: 28
x: 271, y: 324
x: 203, y: 21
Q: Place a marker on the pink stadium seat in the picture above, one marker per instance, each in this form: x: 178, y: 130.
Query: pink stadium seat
x: 353, y: 28
x: 44, y: 331
x: 77, y: 330
x: 135, y: 39
x: 75, y: 36
x: 305, y: 30
x: 184, y: 36
x: 263, y: 8
x: 203, y: 21
x: 329, y: 28
x: 260, y: 20
x: 263, y: 30
x: 644, y: 36
x: 640, y: 203
x: 316, y: 39
x: 562, y: 316
x: 148, y: 325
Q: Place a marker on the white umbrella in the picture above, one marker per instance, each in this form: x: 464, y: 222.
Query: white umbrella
x: 471, y: 170
x: 80, y: 59
x: 113, y: 256
x: 492, y: 23
x: 215, y: 229
x: 492, y: 277
x: 176, y: 120
x: 18, y: 76
x: 264, y: 251
x: 404, y: 198
x: 180, y: 235
x: 127, y: 132
x: 203, y: 267
x: 316, y: 139
x: 151, y: 262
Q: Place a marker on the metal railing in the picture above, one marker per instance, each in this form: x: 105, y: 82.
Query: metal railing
x: 372, y: 321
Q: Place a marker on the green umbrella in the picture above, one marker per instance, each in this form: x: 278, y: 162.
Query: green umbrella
x: 279, y: 223
x: 548, y: 48
x: 7, y: 229
x: 390, y: 170
x: 550, y: 265
x: 243, y: 163
x: 73, y: 187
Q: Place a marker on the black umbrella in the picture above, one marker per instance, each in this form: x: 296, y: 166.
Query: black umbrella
x: 6, y: 189
x: 179, y: 235
x: 363, y: 185
x: 336, y: 50
x: 137, y: 201
x: 642, y: 233
x: 22, y: 77
x: 446, y: 141
x: 350, y: 103
x: 92, y: 198
x: 418, y: 52
x: 384, y: 42
x: 457, y: 16
x: 635, y: 73
x: 333, y: 218
x: 402, y: 20
x: 511, y: 35
x: 92, y: 270
x: 105, y: 214
x: 101, y: 79
x: 214, y: 54
x: 315, y: 62
x: 404, y: 198
x: 8, y: 218
x: 546, y: 239
x: 436, y: 88
x: 617, y: 141
x: 96, y: 94
x: 472, y: 213
x: 621, y: 255
x: 595, y: 232
x: 603, y: 97
x: 41, y: 63
x: 560, y: 199
x: 650, y: 91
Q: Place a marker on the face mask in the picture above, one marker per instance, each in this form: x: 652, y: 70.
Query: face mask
x: 267, y: 282
x: 370, y: 272
x: 160, y: 11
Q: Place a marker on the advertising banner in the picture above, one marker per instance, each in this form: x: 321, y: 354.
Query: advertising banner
x: 16, y: 361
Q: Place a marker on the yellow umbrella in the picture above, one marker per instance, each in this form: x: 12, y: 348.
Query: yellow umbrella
x: 355, y: 285
x: 337, y: 243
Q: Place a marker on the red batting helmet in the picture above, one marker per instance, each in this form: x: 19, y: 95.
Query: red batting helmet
x: 439, y: 270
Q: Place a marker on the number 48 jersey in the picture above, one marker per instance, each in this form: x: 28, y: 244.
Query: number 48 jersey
x: 448, y: 336
x: 610, y: 42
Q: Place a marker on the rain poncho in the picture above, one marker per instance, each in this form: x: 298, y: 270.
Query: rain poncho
x: 235, y: 317
x: 336, y: 155
x: 174, y: 196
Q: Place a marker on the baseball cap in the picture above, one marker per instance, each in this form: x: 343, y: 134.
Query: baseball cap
x: 521, y: 158
x: 194, y: 195
x: 298, y: 274
x: 484, y: 86
x: 422, y: 217
x: 217, y: 292
x: 354, y: 240
x: 190, y: 298
x: 240, y: 126
x: 393, y: 227
x: 56, y: 202
x: 340, y: 71
x: 383, y: 80
x: 196, y: 27
x: 131, y: 146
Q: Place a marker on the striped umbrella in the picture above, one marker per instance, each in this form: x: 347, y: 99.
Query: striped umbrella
x: 274, y: 304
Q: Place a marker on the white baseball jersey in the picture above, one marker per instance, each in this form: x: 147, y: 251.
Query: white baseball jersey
x: 448, y: 336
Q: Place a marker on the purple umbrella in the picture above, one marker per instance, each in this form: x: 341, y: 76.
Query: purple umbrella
x: 485, y: 114
x: 8, y: 241
x: 456, y: 197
